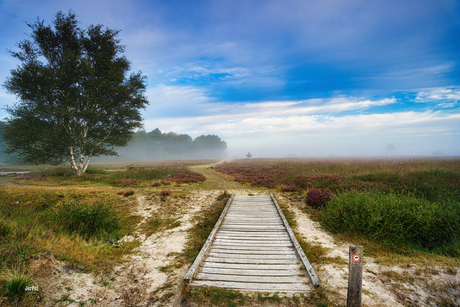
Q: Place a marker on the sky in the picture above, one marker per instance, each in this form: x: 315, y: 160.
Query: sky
x: 277, y: 78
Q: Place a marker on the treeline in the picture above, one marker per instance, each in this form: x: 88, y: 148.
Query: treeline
x: 154, y: 145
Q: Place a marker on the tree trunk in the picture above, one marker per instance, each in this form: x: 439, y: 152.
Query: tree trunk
x: 76, y: 169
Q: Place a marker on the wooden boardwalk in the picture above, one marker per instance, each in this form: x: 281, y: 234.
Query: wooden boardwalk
x: 252, y: 248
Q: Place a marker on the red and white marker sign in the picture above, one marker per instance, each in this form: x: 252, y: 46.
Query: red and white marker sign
x: 356, y: 258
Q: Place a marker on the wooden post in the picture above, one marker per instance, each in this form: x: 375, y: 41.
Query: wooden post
x: 225, y: 186
x: 355, y: 276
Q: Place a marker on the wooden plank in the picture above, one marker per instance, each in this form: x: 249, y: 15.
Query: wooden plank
x: 251, y: 247
x: 261, y: 257
x: 252, y: 252
x: 259, y: 267
x: 250, y: 278
x: 260, y: 287
x: 207, y: 244
x: 251, y: 240
x: 259, y: 238
x: 251, y: 272
x: 251, y: 221
x: 314, y: 279
x: 250, y: 243
x: 252, y: 233
x: 256, y: 227
x: 248, y: 261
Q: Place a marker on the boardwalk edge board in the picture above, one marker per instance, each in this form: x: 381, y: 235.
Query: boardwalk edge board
x: 191, y: 272
x: 313, y: 277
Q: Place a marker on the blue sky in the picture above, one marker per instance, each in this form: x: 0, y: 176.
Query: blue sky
x: 313, y: 78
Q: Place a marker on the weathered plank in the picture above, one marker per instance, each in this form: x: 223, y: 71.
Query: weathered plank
x: 249, y: 244
x: 257, y: 272
x: 266, y: 238
x: 245, y: 286
x: 250, y: 278
x: 252, y: 252
x: 249, y: 256
x: 242, y: 266
x: 251, y: 247
x: 252, y: 233
x: 265, y: 261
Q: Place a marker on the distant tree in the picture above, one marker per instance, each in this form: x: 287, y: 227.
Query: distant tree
x: 76, y: 101
x: 249, y: 155
x: 390, y: 147
x: 210, y: 146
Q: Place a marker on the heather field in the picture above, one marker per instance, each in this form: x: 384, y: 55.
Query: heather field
x: 125, y: 234
x: 433, y: 179
x: 412, y: 203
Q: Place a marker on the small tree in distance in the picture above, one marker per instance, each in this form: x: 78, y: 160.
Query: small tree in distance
x: 75, y: 101
x: 249, y: 155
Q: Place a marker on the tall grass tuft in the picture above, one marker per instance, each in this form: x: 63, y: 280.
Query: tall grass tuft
x: 396, y: 219
x: 14, y: 284
x: 96, y: 220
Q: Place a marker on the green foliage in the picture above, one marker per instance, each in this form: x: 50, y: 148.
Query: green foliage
x: 14, y: 284
x: 88, y: 221
x: 75, y: 98
x: 128, y: 193
x: 396, y: 219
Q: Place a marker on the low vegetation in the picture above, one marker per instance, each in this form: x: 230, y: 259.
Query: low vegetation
x: 72, y: 224
x: 397, y: 219
x: 151, y: 174
x: 402, y: 204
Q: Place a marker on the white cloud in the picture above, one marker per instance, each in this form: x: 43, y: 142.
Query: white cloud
x: 317, y: 124
x: 445, y: 95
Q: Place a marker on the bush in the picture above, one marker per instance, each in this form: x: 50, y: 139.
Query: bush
x: 15, y: 284
x: 87, y: 220
x: 395, y: 218
x: 128, y: 193
x: 165, y: 192
x: 318, y: 197
x: 289, y: 188
x: 156, y: 184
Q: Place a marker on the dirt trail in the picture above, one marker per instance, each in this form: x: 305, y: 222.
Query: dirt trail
x: 215, y: 180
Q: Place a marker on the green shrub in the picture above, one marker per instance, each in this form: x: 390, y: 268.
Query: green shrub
x: 15, y: 284
x: 396, y: 219
x: 88, y: 221
x: 128, y: 193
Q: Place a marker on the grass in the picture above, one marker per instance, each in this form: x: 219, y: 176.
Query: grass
x: 71, y: 224
x: 396, y: 220
x: 143, y: 175
x: 14, y: 284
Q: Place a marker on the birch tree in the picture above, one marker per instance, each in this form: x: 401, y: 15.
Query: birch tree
x: 75, y: 100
